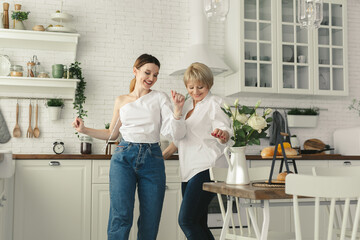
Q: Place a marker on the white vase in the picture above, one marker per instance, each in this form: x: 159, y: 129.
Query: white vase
x: 19, y: 25
x: 238, y: 169
x: 54, y: 113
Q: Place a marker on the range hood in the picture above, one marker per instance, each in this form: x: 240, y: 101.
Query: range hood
x: 199, y: 51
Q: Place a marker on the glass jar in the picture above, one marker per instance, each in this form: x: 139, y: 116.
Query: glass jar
x: 86, y: 143
x: 16, y: 71
x: 31, y: 69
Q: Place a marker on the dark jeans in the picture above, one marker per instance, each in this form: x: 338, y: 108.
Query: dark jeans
x: 141, y: 165
x: 194, y: 208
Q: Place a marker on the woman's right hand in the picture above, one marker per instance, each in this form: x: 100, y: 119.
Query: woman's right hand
x: 78, y: 124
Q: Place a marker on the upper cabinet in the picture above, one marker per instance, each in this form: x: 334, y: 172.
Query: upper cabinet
x: 270, y: 53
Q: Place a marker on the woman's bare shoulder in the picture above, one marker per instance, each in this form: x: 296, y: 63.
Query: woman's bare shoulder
x: 122, y: 100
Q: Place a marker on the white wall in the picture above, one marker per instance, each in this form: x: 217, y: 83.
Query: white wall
x: 113, y: 34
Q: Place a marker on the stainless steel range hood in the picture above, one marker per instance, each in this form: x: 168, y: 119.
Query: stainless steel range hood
x: 199, y: 51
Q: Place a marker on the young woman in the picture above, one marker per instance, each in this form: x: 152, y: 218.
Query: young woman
x: 139, y: 116
x: 207, y: 132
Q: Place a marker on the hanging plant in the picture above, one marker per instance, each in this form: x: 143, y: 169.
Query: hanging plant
x: 75, y: 71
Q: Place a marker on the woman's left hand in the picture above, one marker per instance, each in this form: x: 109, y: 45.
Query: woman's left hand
x: 223, y: 136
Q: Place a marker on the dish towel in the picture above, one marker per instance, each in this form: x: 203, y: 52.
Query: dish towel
x: 4, y: 131
x: 278, y: 125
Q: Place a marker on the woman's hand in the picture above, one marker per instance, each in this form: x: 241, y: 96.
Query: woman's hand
x: 223, y: 136
x: 78, y: 124
x: 178, y: 100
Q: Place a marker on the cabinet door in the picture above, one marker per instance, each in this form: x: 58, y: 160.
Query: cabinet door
x: 257, y: 51
x: 296, y: 58
x: 52, y: 200
x: 6, y: 208
x: 169, y: 227
x: 331, y: 50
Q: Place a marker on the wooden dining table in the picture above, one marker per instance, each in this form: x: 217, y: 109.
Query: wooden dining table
x: 264, y: 194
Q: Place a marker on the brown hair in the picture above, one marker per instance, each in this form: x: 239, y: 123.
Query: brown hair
x: 141, y: 61
x: 199, y: 73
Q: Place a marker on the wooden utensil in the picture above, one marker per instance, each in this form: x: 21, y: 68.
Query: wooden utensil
x: 36, y: 129
x: 6, y: 15
x: 30, y: 132
x: 17, y: 130
x: 314, y: 144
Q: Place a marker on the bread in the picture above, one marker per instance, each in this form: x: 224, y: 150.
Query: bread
x: 282, y: 176
x: 290, y: 152
x: 267, y: 152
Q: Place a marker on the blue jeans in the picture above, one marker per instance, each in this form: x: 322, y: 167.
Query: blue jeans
x: 194, y: 208
x: 132, y: 164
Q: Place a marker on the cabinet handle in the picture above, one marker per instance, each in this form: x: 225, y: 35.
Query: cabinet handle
x: 54, y: 163
x: 166, y: 187
x: 1, y: 205
x: 3, y: 198
x: 346, y: 163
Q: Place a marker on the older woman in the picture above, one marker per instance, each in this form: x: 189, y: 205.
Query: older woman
x: 207, y: 132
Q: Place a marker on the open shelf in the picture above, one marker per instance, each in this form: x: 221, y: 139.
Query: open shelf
x: 41, y: 40
x: 24, y: 87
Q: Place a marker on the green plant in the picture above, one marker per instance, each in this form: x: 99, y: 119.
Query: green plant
x: 75, y: 71
x: 107, y: 125
x: 20, y: 16
x: 304, y: 111
x: 247, y: 125
x: 55, y: 102
x: 355, y: 105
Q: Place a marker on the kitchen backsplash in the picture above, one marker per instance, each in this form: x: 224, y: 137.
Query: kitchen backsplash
x: 113, y: 34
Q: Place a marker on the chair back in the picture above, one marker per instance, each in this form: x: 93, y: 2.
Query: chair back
x: 324, y: 187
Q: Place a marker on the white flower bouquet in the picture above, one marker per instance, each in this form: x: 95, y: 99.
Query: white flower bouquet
x: 247, y: 124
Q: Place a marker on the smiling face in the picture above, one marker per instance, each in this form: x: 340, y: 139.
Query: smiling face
x: 146, y: 75
x: 197, y: 90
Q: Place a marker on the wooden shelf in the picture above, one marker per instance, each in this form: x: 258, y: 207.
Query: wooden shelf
x: 24, y: 87
x: 41, y: 40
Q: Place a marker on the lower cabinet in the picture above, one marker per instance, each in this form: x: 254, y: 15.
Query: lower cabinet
x: 6, y: 208
x: 52, y: 200
x: 169, y: 228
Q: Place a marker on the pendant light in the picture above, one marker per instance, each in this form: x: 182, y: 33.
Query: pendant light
x: 310, y: 13
x: 216, y: 10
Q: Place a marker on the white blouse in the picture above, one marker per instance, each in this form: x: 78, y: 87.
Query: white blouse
x: 199, y: 150
x: 144, y: 119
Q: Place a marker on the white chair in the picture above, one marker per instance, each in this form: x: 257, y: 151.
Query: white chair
x: 324, y: 187
x: 339, y: 171
x: 248, y: 233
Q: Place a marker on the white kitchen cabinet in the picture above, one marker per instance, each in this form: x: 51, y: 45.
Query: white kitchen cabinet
x: 52, y: 200
x: 169, y: 228
x: 270, y: 53
x: 6, y: 208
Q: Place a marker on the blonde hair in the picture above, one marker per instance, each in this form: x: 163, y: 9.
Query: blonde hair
x: 141, y: 61
x: 199, y: 73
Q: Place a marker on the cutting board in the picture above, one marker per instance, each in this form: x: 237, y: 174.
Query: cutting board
x: 314, y: 144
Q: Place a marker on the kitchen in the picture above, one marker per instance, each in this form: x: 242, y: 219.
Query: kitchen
x: 113, y: 33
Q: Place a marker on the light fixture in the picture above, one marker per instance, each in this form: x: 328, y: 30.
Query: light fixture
x: 216, y: 10
x: 310, y: 13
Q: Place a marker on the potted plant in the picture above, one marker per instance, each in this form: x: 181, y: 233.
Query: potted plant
x: 54, y: 107
x: 19, y: 17
x: 306, y: 117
